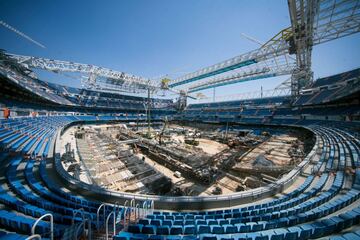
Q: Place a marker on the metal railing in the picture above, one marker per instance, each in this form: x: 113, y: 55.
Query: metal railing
x: 104, y: 205
x: 51, y: 224
x: 35, y: 236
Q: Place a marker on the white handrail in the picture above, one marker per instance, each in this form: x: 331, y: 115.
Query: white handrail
x: 97, y: 214
x: 144, y: 211
x: 89, y: 220
x: 51, y: 224
x: 81, y: 212
x: 107, y: 224
x: 34, y: 237
x: 126, y: 213
x: 132, y: 206
x: 126, y: 203
x: 137, y: 211
x: 116, y: 208
x: 77, y: 230
x: 152, y: 205
x: 132, y: 203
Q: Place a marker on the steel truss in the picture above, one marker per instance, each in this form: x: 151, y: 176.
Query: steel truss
x: 312, y: 22
x: 279, y: 66
x: 275, y: 48
x: 98, y: 77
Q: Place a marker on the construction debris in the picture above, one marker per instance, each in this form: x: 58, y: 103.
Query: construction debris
x: 182, y: 160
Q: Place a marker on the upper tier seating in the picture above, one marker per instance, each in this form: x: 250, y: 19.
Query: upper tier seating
x: 337, y: 78
x: 331, y: 88
x: 79, y: 97
x: 239, y: 103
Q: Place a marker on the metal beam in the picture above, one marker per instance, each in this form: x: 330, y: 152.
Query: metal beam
x: 336, y: 19
x: 240, y: 77
x: 277, y: 66
x: 317, y: 21
x: 312, y: 22
x: 112, y: 77
x: 277, y: 46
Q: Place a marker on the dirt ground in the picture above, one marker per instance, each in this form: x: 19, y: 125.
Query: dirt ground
x: 208, y: 146
x: 275, y: 150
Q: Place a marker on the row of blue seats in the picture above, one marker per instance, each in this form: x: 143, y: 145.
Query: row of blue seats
x: 56, y: 195
x: 11, y: 236
x: 270, y: 100
x: 351, y: 149
x: 325, y: 142
x: 347, y: 236
x: 62, y: 214
x: 266, y: 221
x: 43, y: 192
x: 211, y: 220
x: 335, y: 78
x: 57, y: 190
x: 235, y: 112
x: 37, y: 205
x: 246, y: 212
x: 34, y: 137
x: 22, y: 224
x: 317, y: 229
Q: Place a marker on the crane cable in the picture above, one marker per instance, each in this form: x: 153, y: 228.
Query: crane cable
x: 21, y: 34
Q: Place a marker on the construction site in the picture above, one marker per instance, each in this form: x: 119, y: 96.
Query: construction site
x: 174, y: 159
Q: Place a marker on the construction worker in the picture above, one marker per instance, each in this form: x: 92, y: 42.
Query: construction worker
x: 6, y: 112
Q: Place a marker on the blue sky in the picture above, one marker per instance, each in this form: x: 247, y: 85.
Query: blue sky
x: 152, y: 38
